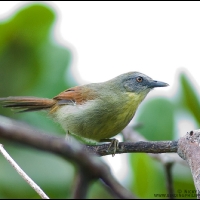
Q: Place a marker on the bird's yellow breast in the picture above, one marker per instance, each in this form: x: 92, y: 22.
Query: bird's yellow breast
x: 127, y: 110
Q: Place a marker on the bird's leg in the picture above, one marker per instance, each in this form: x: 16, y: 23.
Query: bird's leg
x: 68, y: 137
x: 113, y: 142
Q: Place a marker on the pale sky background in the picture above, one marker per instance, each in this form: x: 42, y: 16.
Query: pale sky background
x: 110, y: 38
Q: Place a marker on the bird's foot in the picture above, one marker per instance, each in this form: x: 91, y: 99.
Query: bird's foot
x: 113, y: 143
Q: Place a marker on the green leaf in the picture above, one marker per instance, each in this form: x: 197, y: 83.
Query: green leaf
x: 148, y: 176
x: 28, y: 27
x: 189, y: 98
x: 157, y: 119
x: 20, y: 39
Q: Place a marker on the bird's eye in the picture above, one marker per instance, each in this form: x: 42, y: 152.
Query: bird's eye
x: 139, y: 79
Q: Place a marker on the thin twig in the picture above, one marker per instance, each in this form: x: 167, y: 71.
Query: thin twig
x: 169, y: 181
x: 22, y: 173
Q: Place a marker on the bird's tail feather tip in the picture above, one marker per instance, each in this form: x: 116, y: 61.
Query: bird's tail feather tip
x: 25, y: 104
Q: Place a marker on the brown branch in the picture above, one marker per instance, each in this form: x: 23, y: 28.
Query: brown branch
x: 136, y: 147
x: 19, y: 132
x: 81, y: 185
x: 132, y: 136
x: 189, y: 150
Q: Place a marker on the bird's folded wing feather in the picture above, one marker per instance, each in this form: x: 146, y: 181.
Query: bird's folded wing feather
x: 75, y: 96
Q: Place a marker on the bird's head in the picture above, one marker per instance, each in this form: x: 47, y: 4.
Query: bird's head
x: 138, y: 83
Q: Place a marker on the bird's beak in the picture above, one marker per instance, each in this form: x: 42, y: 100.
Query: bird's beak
x: 154, y: 84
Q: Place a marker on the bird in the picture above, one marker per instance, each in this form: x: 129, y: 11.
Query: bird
x: 94, y: 112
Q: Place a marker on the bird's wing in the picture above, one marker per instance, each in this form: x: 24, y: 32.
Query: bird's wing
x: 75, y: 96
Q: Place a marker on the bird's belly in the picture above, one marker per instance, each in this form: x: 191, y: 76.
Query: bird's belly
x: 95, y: 122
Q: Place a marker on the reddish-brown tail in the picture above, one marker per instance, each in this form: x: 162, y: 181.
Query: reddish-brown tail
x: 24, y: 104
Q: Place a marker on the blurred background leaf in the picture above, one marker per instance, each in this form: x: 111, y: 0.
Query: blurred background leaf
x: 31, y: 63
x: 157, y: 120
x: 189, y: 97
x: 146, y: 181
